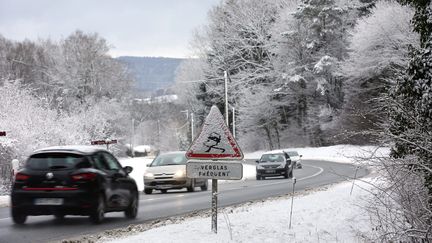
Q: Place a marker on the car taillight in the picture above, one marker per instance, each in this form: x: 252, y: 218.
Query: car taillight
x: 21, y: 177
x: 84, y: 177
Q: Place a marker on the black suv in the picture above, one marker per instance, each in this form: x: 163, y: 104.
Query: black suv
x: 73, y: 180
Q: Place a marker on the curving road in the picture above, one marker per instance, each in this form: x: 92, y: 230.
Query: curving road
x: 46, y: 228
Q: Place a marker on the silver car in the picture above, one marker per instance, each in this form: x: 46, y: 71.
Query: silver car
x: 295, y: 158
x: 168, y: 171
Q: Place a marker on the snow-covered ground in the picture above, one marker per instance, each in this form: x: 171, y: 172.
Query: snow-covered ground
x: 4, y: 201
x: 336, y: 153
x: 326, y: 215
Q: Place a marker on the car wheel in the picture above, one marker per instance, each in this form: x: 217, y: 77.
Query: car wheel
x: 98, y: 214
x: 164, y: 190
x: 148, y: 190
x: 286, y: 173
x: 258, y: 178
x: 191, y: 188
x: 291, y: 174
x: 18, y: 218
x: 132, y: 210
x: 205, y: 186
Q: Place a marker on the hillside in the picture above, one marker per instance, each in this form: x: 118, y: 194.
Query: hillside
x: 152, y: 73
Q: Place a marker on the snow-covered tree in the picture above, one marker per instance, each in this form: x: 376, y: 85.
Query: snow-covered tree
x: 379, y: 48
x: 309, y: 43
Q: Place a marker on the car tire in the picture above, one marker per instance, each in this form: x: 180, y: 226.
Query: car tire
x: 286, y: 175
x: 291, y: 174
x: 18, y: 218
x: 205, y: 186
x: 258, y: 178
x: 148, y: 190
x: 163, y: 190
x: 191, y: 188
x: 132, y: 210
x: 98, y: 214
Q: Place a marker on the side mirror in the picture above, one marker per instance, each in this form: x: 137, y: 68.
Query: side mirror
x: 256, y: 161
x: 128, y: 169
x: 301, y: 155
x: 148, y: 165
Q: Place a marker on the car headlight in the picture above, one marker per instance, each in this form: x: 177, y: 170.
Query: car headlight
x: 281, y: 166
x: 148, y: 175
x: 180, y: 173
x: 259, y: 167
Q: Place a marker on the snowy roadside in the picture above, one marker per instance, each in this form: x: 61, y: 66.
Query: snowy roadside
x: 4, y: 201
x: 336, y: 153
x: 337, y: 217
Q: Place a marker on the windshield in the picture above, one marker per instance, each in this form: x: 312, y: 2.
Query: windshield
x: 169, y: 159
x: 57, y: 161
x: 292, y: 153
x: 272, y: 158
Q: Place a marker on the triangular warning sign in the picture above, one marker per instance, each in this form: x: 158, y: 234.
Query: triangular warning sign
x: 215, y: 140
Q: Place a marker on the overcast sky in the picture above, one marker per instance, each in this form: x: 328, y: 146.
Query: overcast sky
x: 133, y: 27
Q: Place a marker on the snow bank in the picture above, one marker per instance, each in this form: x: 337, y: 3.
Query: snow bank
x: 4, y: 201
x: 330, y: 215
x: 139, y: 165
x: 337, y: 153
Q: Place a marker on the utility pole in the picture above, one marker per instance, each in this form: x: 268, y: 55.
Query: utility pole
x: 192, y: 127
x: 226, y: 97
x: 233, y: 122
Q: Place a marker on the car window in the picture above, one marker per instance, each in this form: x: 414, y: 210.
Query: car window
x: 111, y: 162
x: 56, y: 161
x: 272, y: 158
x: 99, y: 161
x: 169, y: 159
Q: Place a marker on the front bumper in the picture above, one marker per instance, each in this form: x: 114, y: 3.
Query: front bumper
x: 77, y: 202
x: 161, y: 184
x: 271, y: 172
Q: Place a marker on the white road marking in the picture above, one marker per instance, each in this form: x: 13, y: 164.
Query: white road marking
x: 8, y: 218
x: 307, y: 177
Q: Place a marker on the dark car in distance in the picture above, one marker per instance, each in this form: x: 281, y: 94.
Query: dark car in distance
x: 73, y: 180
x: 274, y: 164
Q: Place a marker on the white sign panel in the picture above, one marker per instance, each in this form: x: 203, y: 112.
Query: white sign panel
x: 214, y: 170
x: 215, y: 140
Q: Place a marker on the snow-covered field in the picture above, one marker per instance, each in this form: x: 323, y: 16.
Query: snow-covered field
x: 326, y: 215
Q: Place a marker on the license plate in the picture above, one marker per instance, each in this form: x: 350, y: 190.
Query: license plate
x: 270, y: 171
x: 48, y: 201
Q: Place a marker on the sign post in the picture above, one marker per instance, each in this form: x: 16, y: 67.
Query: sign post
x: 102, y: 142
x: 212, y: 155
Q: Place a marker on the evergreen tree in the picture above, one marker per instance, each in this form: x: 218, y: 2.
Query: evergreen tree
x: 411, y: 116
